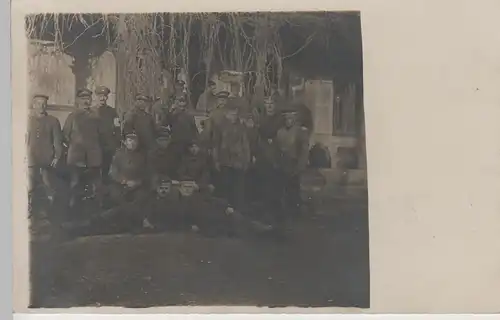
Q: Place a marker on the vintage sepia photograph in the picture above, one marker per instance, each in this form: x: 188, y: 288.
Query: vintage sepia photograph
x: 197, y: 159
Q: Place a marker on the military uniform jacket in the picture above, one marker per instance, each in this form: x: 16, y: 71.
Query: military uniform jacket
x: 213, y: 124
x: 161, y: 162
x: 293, y: 149
x: 159, y: 112
x: 84, y: 136
x: 196, y: 168
x: 44, y: 140
x: 231, y: 146
x: 143, y: 125
x: 128, y: 165
x: 110, y: 126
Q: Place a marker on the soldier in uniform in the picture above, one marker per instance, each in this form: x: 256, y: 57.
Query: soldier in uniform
x: 161, y: 159
x: 231, y: 155
x: 128, y: 172
x: 140, y: 122
x: 216, y: 116
x: 292, y: 144
x: 251, y: 183
x: 195, y: 166
x: 44, y: 142
x: 208, y: 99
x: 84, y: 135
x: 110, y: 126
x: 266, y: 160
x: 183, y: 128
x: 159, y: 111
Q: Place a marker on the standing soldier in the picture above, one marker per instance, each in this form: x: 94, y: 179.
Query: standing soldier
x: 266, y: 160
x: 111, y: 128
x: 83, y: 134
x: 140, y: 122
x: 293, y: 147
x: 231, y: 157
x: 44, y: 142
x: 216, y: 116
x: 208, y: 99
x: 183, y: 128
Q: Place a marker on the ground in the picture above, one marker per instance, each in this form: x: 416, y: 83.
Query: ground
x: 323, y: 262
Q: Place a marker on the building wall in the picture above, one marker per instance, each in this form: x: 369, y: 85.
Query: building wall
x: 319, y: 98
x: 51, y: 73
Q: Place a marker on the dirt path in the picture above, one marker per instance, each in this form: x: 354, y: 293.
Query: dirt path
x: 323, y: 263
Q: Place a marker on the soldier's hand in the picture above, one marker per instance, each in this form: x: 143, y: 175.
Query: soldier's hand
x: 54, y: 163
x: 211, y: 188
x: 131, y: 184
x: 269, y: 141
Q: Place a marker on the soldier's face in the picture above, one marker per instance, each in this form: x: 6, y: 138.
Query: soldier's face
x: 103, y: 99
x: 289, y: 119
x: 39, y: 105
x: 141, y: 104
x: 131, y: 144
x: 270, y: 107
x: 85, y: 102
x: 164, y: 189
x: 181, y: 104
x: 194, y: 149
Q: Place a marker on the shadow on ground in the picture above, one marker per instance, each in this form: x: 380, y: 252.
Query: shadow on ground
x: 323, y: 263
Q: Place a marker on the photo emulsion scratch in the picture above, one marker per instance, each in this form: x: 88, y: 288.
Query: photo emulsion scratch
x: 201, y: 159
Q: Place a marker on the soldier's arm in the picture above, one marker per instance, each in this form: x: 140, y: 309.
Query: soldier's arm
x: 57, y: 138
x: 246, y: 149
x: 116, y: 168
x: 194, y: 128
x: 68, y: 127
x: 128, y: 123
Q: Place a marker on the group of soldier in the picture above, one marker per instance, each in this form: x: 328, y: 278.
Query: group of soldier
x: 152, y: 162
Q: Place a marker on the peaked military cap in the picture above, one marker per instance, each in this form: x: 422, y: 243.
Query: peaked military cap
x: 102, y: 90
x: 131, y: 135
x: 164, y: 180
x: 223, y: 94
x: 84, y: 92
x: 39, y: 95
x: 143, y: 97
x: 290, y: 108
x: 182, y: 82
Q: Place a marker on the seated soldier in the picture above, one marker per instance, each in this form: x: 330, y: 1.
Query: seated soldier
x: 195, y: 166
x: 128, y: 173
x: 161, y: 159
x: 158, y: 210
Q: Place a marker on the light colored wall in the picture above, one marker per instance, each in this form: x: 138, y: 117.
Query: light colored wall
x: 50, y: 73
x: 103, y: 73
x: 318, y: 96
